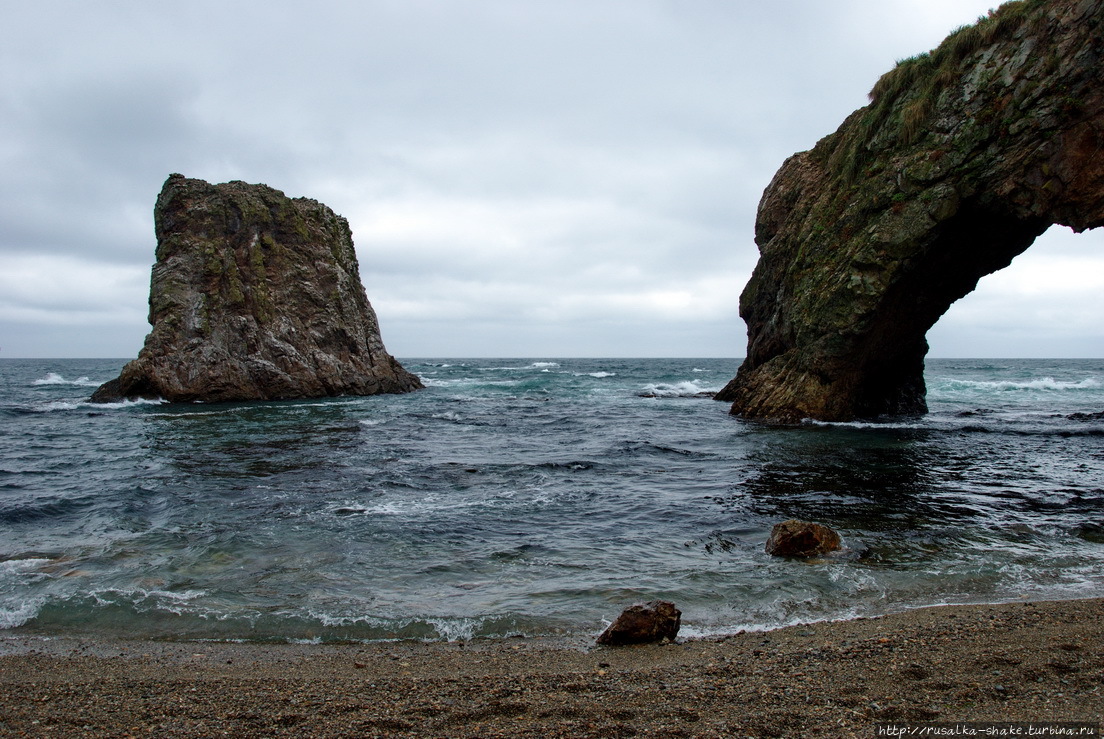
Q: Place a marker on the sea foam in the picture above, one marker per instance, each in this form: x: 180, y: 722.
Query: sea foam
x: 53, y: 378
x: 73, y: 405
x: 1042, y: 383
x: 10, y: 618
x: 688, y: 389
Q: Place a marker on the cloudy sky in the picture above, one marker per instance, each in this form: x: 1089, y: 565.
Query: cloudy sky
x: 532, y: 178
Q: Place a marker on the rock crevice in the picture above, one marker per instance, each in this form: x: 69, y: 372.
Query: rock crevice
x: 255, y: 296
x: 963, y: 157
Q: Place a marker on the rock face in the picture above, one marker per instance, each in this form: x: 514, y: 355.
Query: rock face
x: 643, y: 623
x: 801, y: 539
x: 963, y: 157
x: 255, y: 296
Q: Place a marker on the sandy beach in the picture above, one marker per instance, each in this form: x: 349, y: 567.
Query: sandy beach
x: 1028, y: 662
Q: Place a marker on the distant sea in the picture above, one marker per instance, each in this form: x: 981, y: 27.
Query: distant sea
x: 534, y: 497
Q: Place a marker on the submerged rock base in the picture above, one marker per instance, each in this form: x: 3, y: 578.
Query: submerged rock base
x: 255, y: 296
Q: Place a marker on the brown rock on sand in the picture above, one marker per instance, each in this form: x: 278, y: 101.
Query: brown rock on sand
x: 643, y: 623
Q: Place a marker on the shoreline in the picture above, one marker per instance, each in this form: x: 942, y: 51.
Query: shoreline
x: 1037, y: 661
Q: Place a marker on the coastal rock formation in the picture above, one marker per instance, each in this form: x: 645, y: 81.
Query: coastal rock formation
x: 962, y: 158
x: 643, y: 623
x: 255, y: 296
x: 801, y: 539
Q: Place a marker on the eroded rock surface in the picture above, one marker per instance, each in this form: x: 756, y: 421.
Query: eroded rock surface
x: 963, y: 157
x: 255, y: 296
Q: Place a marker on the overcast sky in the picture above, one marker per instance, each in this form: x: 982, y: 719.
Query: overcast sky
x: 524, y: 178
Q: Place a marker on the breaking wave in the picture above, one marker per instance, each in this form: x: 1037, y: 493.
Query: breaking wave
x: 53, y: 378
x: 1042, y: 383
x: 688, y: 389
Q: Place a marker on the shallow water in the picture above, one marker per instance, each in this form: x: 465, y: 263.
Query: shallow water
x: 534, y: 497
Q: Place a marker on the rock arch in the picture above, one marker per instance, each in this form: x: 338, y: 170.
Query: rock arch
x: 963, y: 157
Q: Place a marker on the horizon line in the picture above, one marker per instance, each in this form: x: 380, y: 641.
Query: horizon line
x: 568, y: 357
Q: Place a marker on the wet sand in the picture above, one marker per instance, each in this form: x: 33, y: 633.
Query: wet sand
x: 1037, y: 662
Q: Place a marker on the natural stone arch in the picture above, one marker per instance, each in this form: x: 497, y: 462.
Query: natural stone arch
x: 963, y: 157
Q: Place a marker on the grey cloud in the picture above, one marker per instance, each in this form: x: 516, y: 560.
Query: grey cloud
x: 519, y: 177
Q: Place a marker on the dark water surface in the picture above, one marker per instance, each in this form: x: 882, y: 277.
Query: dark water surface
x: 533, y: 497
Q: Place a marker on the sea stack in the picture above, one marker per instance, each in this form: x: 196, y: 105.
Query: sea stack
x: 254, y: 296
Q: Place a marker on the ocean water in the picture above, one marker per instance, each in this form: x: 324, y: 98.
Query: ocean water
x: 534, y: 497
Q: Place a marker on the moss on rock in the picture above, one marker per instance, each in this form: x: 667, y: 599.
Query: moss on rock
x: 255, y: 296
x: 964, y: 155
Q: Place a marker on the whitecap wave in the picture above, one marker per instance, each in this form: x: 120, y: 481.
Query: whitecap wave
x: 455, y: 629
x: 598, y: 375
x: 1041, y: 383
x: 23, y: 565
x: 143, y: 600
x: 21, y: 613
x: 688, y: 389
x: 106, y: 595
x: 436, y: 382
x: 13, y: 574
x: 865, y: 424
x: 59, y: 405
x: 128, y: 403
x: 427, y: 628
x: 53, y: 378
x: 543, y: 366
x: 72, y: 405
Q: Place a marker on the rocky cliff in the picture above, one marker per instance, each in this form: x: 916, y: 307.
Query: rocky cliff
x: 255, y: 296
x: 963, y: 156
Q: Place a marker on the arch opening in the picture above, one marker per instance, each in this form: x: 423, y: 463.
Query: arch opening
x: 1048, y: 304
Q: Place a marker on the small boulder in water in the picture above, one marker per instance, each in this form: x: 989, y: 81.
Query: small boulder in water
x: 643, y: 623
x: 801, y: 539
